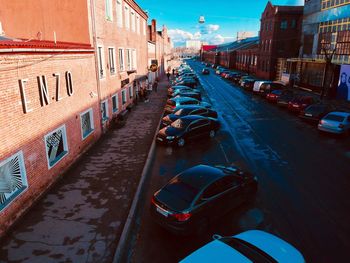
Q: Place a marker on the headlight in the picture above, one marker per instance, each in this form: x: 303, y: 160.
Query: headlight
x: 170, y: 137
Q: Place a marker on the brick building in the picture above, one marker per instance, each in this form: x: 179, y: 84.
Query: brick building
x: 63, y: 78
x: 280, y: 33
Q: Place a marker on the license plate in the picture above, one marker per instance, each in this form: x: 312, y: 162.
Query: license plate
x: 161, y: 211
x: 160, y: 139
x: 295, y: 106
x: 308, y: 114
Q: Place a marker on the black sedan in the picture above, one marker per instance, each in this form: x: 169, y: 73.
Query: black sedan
x: 199, y: 195
x: 205, y: 71
x: 187, y: 129
x: 316, y: 112
x: 188, y: 110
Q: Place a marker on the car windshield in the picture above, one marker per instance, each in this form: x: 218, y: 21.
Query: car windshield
x: 277, y: 92
x: 248, y: 250
x: 334, y: 117
x: 182, y: 190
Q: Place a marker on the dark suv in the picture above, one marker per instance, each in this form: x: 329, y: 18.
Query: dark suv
x: 301, y: 102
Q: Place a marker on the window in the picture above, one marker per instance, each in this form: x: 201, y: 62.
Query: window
x: 134, y: 60
x: 115, y: 103
x: 111, y: 58
x: 119, y: 14
x: 56, y: 145
x: 284, y: 24
x: 293, y: 24
x: 13, y: 179
x: 123, y: 96
x: 138, y: 24
x: 87, y: 123
x: 128, y: 59
x: 130, y: 92
x: 100, y: 62
x: 121, y: 59
x: 127, y: 16
x: 144, y: 27
x: 104, y: 110
x: 109, y: 12
x: 133, y: 20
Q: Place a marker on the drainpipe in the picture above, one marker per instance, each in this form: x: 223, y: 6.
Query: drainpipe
x: 94, y: 37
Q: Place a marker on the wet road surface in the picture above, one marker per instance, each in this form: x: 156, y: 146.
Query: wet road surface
x: 303, y: 179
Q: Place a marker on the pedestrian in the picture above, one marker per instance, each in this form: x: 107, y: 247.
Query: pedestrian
x: 173, y: 72
x: 168, y: 75
x: 155, y: 85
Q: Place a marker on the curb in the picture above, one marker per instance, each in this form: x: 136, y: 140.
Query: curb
x: 125, y: 236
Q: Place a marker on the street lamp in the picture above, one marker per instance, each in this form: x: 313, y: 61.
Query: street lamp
x: 328, y: 56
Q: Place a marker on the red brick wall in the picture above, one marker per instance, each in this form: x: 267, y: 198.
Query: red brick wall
x: 25, y: 131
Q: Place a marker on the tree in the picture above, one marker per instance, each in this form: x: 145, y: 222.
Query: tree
x: 328, y: 52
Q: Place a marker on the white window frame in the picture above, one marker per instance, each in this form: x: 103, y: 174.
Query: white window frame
x: 109, y: 10
x: 119, y: 12
x: 65, y: 145
x: 10, y: 197
x: 101, y: 62
x: 144, y: 26
x: 121, y: 65
x: 133, y: 18
x: 124, y: 99
x: 104, y: 119
x: 127, y: 16
x: 137, y: 24
x: 112, y: 70
x: 91, y: 122
x: 116, y: 98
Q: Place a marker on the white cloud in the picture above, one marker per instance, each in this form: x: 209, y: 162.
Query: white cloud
x: 212, y: 28
x: 178, y: 35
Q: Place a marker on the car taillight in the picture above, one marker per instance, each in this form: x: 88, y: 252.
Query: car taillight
x: 181, y: 217
x: 153, y: 201
x: 341, y: 126
x: 321, y: 122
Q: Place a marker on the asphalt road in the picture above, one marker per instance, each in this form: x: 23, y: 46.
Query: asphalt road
x: 303, y: 179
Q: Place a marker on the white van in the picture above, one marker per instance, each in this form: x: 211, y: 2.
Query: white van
x: 257, y: 85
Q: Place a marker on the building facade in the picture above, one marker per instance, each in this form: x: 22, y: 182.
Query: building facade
x: 325, y: 46
x: 62, y: 84
x: 280, y: 34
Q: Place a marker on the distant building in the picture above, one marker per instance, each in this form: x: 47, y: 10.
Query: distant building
x: 244, y: 34
x: 194, y: 44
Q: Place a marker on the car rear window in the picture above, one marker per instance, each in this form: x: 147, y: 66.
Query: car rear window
x: 182, y: 190
x: 277, y: 92
x: 171, y: 102
x: 334, y: 117
x: 248, y: 250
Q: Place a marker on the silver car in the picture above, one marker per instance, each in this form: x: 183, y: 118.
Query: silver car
x: 335, y: 122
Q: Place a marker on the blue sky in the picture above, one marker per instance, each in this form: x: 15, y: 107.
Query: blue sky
x: 222, y: 18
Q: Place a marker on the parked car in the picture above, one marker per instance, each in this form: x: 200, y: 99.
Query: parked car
x: 238, y: 77
x: 207, y: 65
x: 190, y: 201
x: 285, y: 98
x: 187, y: 129
x: 242, y: 79
x: 300, y: 102
x: 190, y: 82
x: 205, y: 71
x: 337, y: 122
x: 173, y: 104
x: 194, y: 95
x: 249, y: 246
x: 248, y: 83
x: 257, y: 85
x: 214, y: 66
x: 274, y: 95
x: 315, y: 112
x: 267, y: 88
x: 188, y: 110
x: 182, y: 90
x: 224, y: 72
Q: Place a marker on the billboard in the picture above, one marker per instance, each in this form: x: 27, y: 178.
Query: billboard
x: 343, y: 90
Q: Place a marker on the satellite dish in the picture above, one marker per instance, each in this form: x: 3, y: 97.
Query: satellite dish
x: 201, y: 19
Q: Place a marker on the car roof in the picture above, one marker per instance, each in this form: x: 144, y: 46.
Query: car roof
x: 272, y: 245
x: 215, y: 251
x: 200, y: 176
x: 182, y: 99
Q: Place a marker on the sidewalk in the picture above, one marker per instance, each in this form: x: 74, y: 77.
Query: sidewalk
x: 82, y: 217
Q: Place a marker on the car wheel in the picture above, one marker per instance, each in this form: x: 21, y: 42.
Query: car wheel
x: 181, y: 142
x: 202, y: 227
x: 212, y: 134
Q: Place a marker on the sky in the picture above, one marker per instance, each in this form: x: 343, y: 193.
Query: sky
x: 223, y: 19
